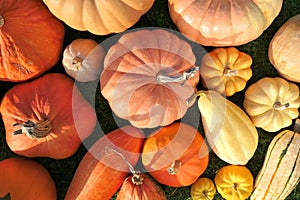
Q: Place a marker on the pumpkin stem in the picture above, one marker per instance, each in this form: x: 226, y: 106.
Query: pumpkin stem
x: 278, y: 106
x: 77, y: 62
x: 235, y: 187
x: 175, y: 167
x: 137, y: 178
x: 230, y: 72
x: 205, y: 194
x: 297, y: 126
x: 190, y: 73
x: 1, y: 21
x: 34, y: 130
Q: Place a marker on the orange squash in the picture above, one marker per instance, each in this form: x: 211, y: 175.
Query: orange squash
x: 104, y: 167
x: 31, y: 39
x: 175, y: 155
x: 46, y: 117
x: 23, y: 178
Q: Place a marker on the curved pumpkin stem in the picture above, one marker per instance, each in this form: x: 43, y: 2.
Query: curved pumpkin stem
x: 77, y: 62
x: 36, y: 130
x: 230, y: 72
x: 163, y: 78
x: 175, y: 167
x: 1, y: 21
x: 279, y: 106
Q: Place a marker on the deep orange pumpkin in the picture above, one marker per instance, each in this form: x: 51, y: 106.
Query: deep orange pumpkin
x: 31, y: 39
x: 104, y: 167
x: 175, y: 155
x: 25, y: 179
x: 46, y: 117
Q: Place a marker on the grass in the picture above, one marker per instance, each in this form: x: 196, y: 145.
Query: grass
x: 62, y: 170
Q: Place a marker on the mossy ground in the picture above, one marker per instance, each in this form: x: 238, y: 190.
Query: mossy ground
x: 63, y: 170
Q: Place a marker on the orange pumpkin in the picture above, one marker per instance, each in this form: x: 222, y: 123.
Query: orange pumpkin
x: 31, y: 39
x: 175, y: 155
x: 25, y: 179
x: 46, y: 117
x: 104, y: 167
x: 223, y: 23
x: 148, y: 81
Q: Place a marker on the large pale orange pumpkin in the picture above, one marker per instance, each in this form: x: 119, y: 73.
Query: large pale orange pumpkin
x: 46, y: 117
x: 175, y: 155
x: 98, y: 16
x: 104, y: 167
x: 148, y: 81
x: 223, y: 23
x: 31, y: 39
x: 25, y: 179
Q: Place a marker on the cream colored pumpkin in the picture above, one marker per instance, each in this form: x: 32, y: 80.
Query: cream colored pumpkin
x: 229, y: 131
x: 284, y: 49
x: 223, y: 23
x: 272, y: 103
x: 226, y: 70
x: 97, y: 16
x: 82, y: 59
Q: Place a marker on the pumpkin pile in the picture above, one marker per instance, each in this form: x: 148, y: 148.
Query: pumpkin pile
x: 103, y: 100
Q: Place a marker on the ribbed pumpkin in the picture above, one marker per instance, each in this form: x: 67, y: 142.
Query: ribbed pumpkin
x: 284, y: 49
x: 272, y: 103
x: 104, y: 167
x: 46, y: 117
x: 139, y: 186
x: 226, y: 70
x: 82, y: 59
x: 203, y: 189
x: 97, y: 16
x: 280, y: 172
x: 31, y: 39
x: 175, y: 155
x: 148, y: 81
x: 23, y: 178
x: 223, y: 23
x: 229, y: 131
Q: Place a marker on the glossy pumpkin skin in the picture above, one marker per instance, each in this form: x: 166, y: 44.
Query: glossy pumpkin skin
x: 26, y: 29
x: 34, y: 122
x: 82, y: 59
x: 97, y: 16
x: 284, y: 49
x: 140, y: 188
x: 280, y: 172
x: 133, y: 78
x: 272, y: 103
x: 25, y: 179
x: 234, y: 182
x: 175, y: 155
x: 223, y: 23
x: 226, y: 70
x: 103, y: 168
x: 229, y: 131
x: 203, y: 189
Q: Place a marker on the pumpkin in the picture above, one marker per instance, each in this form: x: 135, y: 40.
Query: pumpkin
x: 104, y: 167
x: 175, y: 155
x: 97, y: 16
x: 280, y: 172
x: 203, y: 189
x: 272, y: 103
x: 46, y: 117
x: 226, y: 70
x: 223, y: 23
x: 139, y: 186
x: 26, y: 29
x: 234, y: 182
x: 229, y: 131
x: 284, y: 49
x: 23, y: 178
x: 82, y: 59
x: 147, y: 82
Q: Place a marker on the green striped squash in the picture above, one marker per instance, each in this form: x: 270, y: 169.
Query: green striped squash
x: 280, y: 172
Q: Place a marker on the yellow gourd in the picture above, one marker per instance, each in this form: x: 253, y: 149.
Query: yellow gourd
x: 203, y: 189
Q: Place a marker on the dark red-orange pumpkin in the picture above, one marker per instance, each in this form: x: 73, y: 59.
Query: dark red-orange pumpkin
x: 104, y: 167
x: 31, y: 39
x: 46, y: 117
x: 175, y: 155
x: 25, y: 179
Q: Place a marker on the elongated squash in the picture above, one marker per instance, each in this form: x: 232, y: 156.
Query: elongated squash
x: 280, y: 172
x: 229, y: 131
